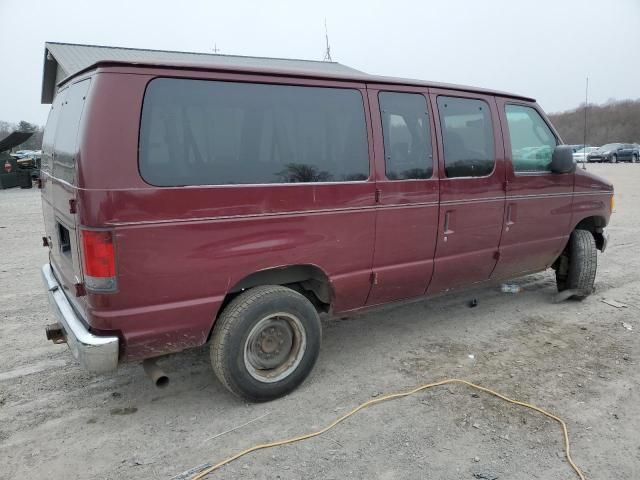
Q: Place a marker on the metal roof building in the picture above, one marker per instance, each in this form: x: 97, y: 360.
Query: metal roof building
x: 62, y: 60
x: 13, y: 140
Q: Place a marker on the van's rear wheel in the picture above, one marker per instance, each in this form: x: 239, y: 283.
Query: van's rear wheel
x: 265, y: 343
x: 578, y: 264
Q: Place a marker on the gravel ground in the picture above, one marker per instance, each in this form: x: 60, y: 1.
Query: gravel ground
x: 575, y: 359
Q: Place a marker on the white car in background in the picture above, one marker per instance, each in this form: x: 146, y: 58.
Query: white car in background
x: 580, y: 155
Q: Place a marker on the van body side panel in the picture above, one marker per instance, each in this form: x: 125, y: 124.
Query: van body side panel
x: 592, y: 198
x: 537, y: 215
x: 407, y: 218
x: 471, y: 212
x: 180, y: 250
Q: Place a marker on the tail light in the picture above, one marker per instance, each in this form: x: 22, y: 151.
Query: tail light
x: 99, y: 259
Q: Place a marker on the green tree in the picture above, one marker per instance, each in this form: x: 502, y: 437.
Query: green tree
x: 35, y: 141
x: 25, y: 126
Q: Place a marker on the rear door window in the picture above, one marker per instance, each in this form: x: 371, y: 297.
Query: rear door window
x: 532, y: 142
x: 49, y: 136
x: 407, y: 137
x: 66, y: 136
x: 199, y: 132
x: 467, y: 136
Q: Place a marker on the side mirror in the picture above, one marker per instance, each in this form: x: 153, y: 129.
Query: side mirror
x: 562, y: 160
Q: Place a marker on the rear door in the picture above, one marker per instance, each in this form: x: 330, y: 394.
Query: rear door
x: 538, y: 207
x: 471, y: 188
x: 59, y: 152
x: 406, y: 191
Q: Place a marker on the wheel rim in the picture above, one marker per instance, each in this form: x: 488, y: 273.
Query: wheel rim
x: 274, y: 347
x: 614, y: 159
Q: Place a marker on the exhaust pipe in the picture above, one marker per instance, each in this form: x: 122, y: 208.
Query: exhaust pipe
x: 155, y: 373
x: 55, y: 333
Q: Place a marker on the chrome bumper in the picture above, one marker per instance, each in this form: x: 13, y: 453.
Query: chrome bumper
x: 95, y: 353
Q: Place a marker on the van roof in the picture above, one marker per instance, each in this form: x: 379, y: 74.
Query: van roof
x: 347, y: 75
x: 64, y: 61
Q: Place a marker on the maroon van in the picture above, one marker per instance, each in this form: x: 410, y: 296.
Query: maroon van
x: 192, y: 205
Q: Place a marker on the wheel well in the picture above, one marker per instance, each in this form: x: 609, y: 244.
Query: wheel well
x: 309, y: 280
x: 595, y: 225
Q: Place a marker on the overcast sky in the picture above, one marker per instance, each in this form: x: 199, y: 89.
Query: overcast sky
x: 541, y: 48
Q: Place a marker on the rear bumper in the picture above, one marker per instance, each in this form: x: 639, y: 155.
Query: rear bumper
x: 95, y: 353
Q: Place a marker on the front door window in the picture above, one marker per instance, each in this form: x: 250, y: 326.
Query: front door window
x: 532, y: 142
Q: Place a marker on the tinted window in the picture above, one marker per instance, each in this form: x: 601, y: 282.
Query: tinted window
x: 610, y: 146
x: 48, y: 138
x: 407, y: 139
x: 467, y: 135
x: 66, y: 135
x: 197, y: 132
x: 532, y: 142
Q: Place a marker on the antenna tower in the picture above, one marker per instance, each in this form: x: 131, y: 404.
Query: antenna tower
x: 586, y: 103
x: 327, y: 53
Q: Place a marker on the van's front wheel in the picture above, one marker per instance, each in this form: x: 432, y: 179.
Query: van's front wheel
x: 577, y: 266
x: 265, y: 343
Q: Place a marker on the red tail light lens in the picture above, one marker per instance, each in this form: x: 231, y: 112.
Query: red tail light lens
x: 99, y: 260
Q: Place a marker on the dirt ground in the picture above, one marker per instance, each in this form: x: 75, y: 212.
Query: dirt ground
x: 576, y: 359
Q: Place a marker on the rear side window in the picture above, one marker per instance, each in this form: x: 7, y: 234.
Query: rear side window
x: 49, y: 136
x: 66, y: 136
x: 532, y: 142
x: 407, y: 138
x: 467, y: 135
x: 199, y: 132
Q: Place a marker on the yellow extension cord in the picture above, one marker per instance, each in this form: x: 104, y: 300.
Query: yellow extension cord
x: 393, y: 396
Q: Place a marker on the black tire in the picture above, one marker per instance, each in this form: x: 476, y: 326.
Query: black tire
x: 233, y: 355
x: 634, y: 158
x: 577, y: 266
x: 614, y: 158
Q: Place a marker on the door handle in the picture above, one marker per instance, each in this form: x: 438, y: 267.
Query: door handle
x: 510, y: 216
x: 447, y: 225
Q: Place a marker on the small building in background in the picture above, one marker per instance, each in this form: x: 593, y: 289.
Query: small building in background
x: 62, y: 60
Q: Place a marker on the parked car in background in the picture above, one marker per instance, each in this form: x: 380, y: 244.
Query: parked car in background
x: 231, y: 207
x: 615, y: 152
x: 629, y: 153
x: 25, y: 153
x: 575, y: 148
x: 580, y: 155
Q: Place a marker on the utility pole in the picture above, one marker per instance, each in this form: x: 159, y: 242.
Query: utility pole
x: 215, y: 48
x: 586, y: 103
x: 327, y: 53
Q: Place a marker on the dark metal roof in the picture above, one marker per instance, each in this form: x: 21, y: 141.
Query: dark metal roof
x: 13, y: 140
x: 73, y: 59
x: 62, y: 60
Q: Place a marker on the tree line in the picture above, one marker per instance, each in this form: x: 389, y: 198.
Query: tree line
x: 33, y: 143
x: 614, y: 121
